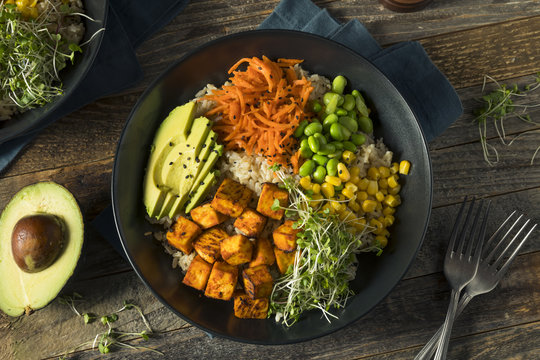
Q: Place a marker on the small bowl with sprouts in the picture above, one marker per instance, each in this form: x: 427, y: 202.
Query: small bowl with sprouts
x: 46, y: 49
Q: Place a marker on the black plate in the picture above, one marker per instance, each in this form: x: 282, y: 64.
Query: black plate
x: 71, y: 76
x: 395, y: 122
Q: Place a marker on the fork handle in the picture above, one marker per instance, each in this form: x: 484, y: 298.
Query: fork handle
x: 447, y: 326
x: 429, y: 349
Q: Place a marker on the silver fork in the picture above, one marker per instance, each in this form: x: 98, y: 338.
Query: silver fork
x: 460, y: 267
x: 488, y: 274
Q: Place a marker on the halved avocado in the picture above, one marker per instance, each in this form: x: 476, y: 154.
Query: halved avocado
x: 23, y: 291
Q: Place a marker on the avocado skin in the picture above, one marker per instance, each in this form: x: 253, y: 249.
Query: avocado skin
x: 20, y: 291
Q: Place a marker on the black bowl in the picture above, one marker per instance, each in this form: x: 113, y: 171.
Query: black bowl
x: 71, y: 76
x: 395, y: 122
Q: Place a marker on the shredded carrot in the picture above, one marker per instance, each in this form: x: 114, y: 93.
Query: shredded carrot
x: 260, y: 108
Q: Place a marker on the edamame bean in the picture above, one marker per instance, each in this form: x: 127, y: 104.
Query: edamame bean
x: 316, y: 106
x: 336, y: 155
x: 346, y: 133
x: 339, y: 83
x: 336, y: 131
x: 319, y: 174
x: 332, y: 105
x: 299, y: 131
x: 353, y: 114
x: 320, y: 137
x: 306, y: 153
x: 327, y: 97
x: 338, y: 145
x: 347, y: 145
x: 341, y: 112
x: 365, y: 124
x: 314, y: 127
x: 326, y: 149
x: 361, y: 106
x: 358, y: 139
x: 320, y: 159
x: 355, y: 93
x: 349, y: 103
x: 349, y: 123
x: 307, y: 168
x: 313, y: 143
x: 331, y: 167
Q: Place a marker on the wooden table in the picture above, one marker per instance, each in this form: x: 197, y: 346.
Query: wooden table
x: 466, y: 40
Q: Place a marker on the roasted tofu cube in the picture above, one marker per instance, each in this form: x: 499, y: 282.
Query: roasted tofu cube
x: 231, y: 198
x: 263, y: 253
x: 284, y: 259
x: 248, y: 308
x: 206, y: 216
x: 270, y: 192
x: 250, y: 222
x: 285, y: 236
x: 258, y: 281
x: 208, y: 244
x: 222, y: 281
x: 182, y: 234
x: 236, y: 249
x: 197, y: 273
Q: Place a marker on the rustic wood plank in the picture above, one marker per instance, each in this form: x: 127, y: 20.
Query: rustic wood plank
x: 408, y: 316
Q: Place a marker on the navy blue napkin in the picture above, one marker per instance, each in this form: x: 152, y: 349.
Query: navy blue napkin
x: 406, y: 64
x: 424, y: 87
x: 115, y: 68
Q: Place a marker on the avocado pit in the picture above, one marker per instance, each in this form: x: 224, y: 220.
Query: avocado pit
x: 36, y: 241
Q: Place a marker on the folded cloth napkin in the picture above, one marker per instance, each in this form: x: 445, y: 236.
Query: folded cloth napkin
x: 115, y: 68
x: 407, y: 65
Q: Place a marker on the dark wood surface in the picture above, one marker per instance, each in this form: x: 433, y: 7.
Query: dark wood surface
x: 466, y: 40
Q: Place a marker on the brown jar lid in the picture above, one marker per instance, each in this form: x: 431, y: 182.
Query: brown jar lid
x: 405, y: 5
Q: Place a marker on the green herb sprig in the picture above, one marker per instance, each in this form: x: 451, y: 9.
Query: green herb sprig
x: 496, y: 107
x: 324, y: 263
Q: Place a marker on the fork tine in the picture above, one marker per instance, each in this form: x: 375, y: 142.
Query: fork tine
x: 495, y: 249
x: 511, y: 258
x: 453, y: 236
x: 501, y: 256
x: 462, y: 236
x: 480, y: 239
x: 494, y: 235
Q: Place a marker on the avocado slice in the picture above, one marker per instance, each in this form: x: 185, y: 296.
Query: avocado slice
x: 181, y: 164
x: 202, y: 170
x: 173, y: 130
x: 207, y: 183
x: 22, y: 291
x: 201, y: 181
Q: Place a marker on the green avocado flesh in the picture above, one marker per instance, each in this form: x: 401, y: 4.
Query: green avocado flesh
x: 22, y: 291
x: 178, y: 162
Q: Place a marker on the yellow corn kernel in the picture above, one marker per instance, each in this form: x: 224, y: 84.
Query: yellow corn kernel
x: 359, y: 223
x: 348, y: 193
x: 361, y: 196
x: 391, y: 200
x: 328, y: 206
x: 328, y: 190
x: 354, y: 206
x: 334, y: 180
x: 343, y: 172
x: 394, y: 169
x: 369, y: 205
x: 377, y: 225
x: 395, y: 190
x: 315, y: 200
x: 354, y: 179
x: 385, y: 171
x: 385, y: 232
x: 384, y: 191
x: 404, y: 167
x: 373, y: 173
x: 355, y: 171
x: 379, y: 196
x: 363, y: 184
x: 348, y: 157
x: 373, y: 187
x: 382, y: 240
x: 346, y: 215
x: 305, y: 183
x: 316, y: 188
x: 351, y: 186
x: 387, y: 210
x: 378, y: 207
x: 389, y: 220
x: 338, y: 206
x: 393, y: 181
x: 341, y: 197
x: 383, y: 183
